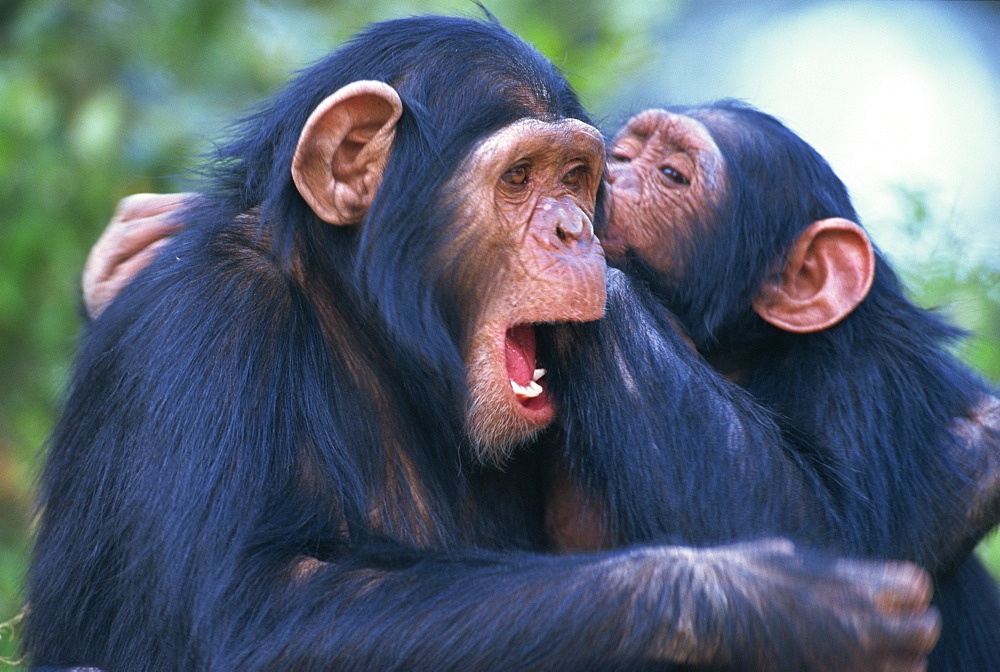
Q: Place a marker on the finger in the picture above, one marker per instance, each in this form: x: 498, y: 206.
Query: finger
x: 125, y: 271
x: 98, y: 293
x: 907, y: 588
x: 141, y: 234
x: 139, y: 206
x: 894, y: 587
x: 95, y: 299
x: 908, y: 641
x: 121, y: 241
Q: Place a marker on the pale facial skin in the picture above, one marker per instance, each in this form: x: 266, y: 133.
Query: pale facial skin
x: 636, y: 155
x: 662, y: 170
x: 534, y: 186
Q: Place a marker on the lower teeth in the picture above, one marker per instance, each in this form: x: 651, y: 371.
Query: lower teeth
x: 532, y: 390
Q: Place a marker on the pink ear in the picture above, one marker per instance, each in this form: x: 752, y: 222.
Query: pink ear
x: 343, y: 150
x: 828, y: 272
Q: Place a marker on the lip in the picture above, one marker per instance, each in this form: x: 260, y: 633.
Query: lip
x: 614, y: 249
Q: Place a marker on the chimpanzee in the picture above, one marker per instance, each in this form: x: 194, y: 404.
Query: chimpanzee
x: 289, y: 443
x: 747, y: 235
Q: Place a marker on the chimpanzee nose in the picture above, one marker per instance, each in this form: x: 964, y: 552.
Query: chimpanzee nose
x: 567, y: 221
x: 573, y: 228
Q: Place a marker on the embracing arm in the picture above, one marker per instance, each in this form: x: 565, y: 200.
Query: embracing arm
x: 700, y: 462
x: 753, y: 606
x: 641, y: 387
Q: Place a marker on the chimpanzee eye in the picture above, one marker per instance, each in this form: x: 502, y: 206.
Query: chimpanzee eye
x: 573, y: 177
x: 517, y: 175
x: 620, y: 158
x: 674, y: 176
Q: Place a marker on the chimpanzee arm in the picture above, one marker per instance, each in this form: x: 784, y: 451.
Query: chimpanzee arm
x: 675, y: 452
x: 175, y: 510
x: 740, y: 607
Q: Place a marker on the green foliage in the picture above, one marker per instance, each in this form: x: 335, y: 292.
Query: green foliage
x: 104, y: 98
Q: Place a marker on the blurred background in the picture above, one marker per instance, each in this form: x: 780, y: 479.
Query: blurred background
x: 100, y: 99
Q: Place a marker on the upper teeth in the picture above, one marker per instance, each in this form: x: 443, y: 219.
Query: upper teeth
x: 532, y: 389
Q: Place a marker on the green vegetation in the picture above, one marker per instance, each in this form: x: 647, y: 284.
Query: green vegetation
x: 104, y: 98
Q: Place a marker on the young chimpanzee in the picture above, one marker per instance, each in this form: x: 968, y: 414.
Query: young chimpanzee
x: 745, y: 233
x: 289, y: 441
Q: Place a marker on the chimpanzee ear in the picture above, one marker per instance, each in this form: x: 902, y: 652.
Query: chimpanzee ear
x: 829, y: 271
x: 344, y: 148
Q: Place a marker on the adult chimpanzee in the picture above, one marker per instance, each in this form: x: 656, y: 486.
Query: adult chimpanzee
x: 287, y: 443
x: 748, y: 236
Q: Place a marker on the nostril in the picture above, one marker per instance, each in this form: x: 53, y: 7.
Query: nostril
x: 573, y: 230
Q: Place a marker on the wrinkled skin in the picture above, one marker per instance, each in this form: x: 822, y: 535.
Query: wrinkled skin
x: 534, y: 185
x: 662, y: 170
x: 142, y: 224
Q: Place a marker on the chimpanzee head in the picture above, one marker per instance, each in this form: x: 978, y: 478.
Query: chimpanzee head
x: 734, y: 219
x: 440, y: 175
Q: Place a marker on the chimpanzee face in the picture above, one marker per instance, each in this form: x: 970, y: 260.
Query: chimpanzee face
x: 664, y: 172
x: 528, y: 194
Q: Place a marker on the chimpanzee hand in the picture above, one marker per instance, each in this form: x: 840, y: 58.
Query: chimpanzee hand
x: 141, y: 225
x: 977, y: 449
x: 764, y: 606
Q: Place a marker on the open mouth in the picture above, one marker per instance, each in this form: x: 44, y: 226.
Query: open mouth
x: 525, y: 375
